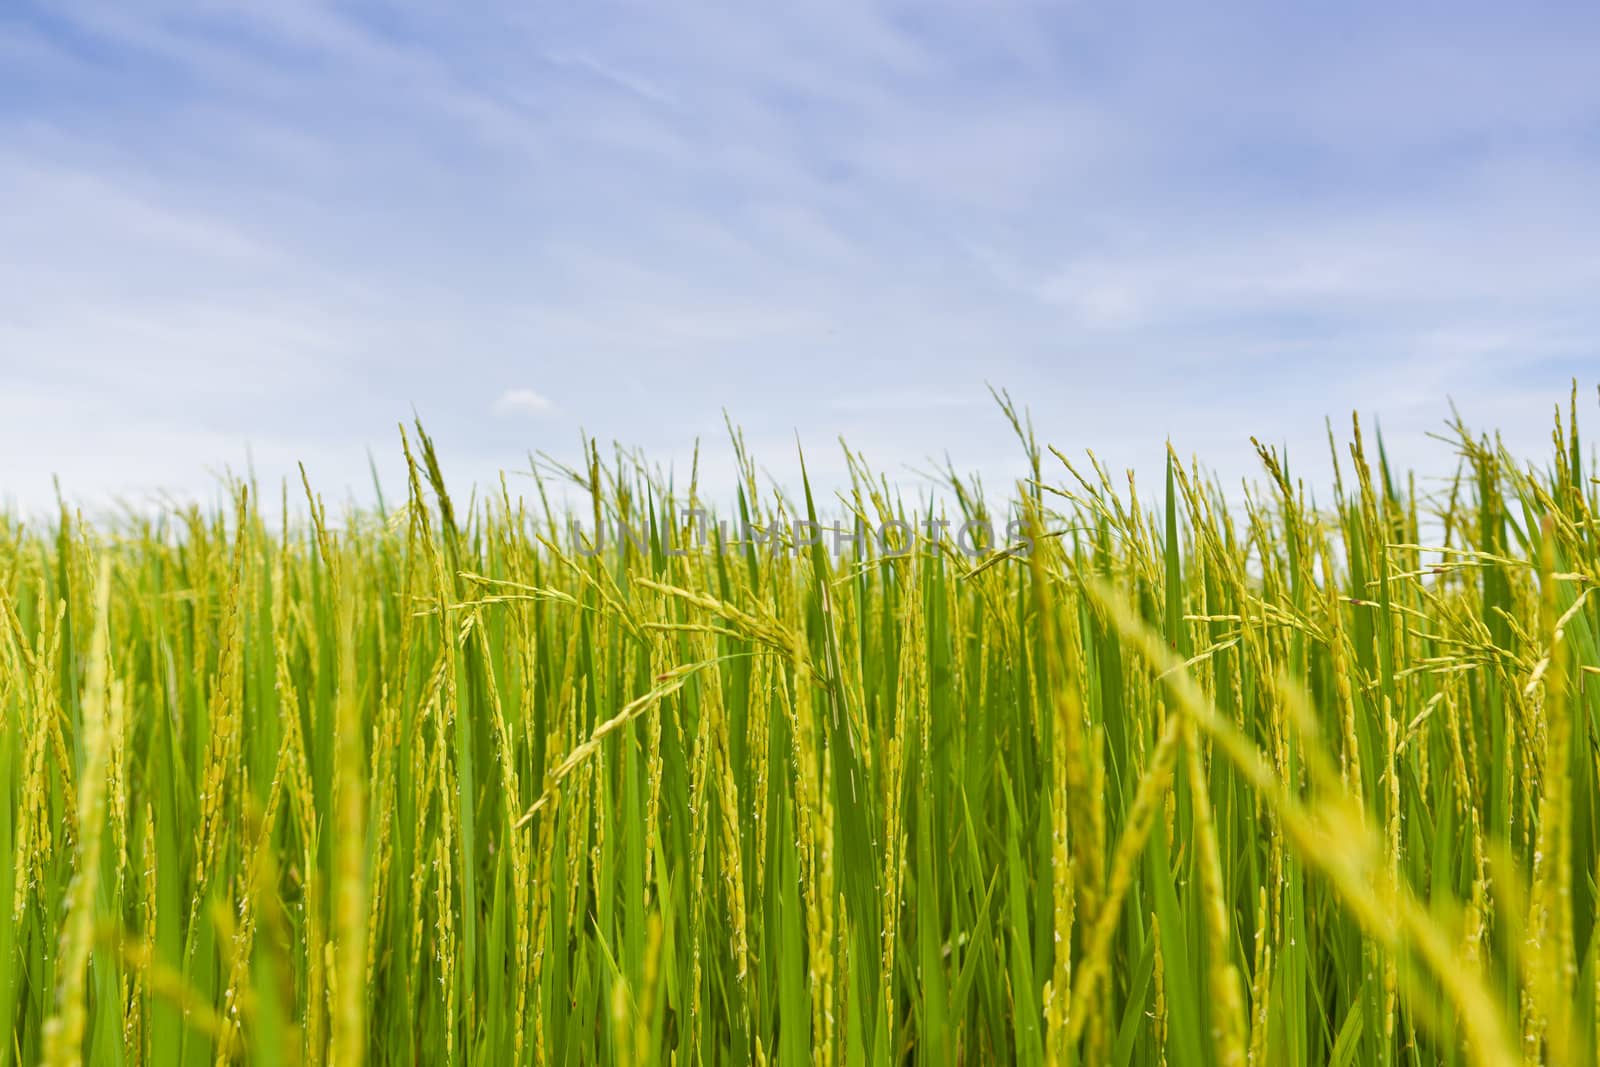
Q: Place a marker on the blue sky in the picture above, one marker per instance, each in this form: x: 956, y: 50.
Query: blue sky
x: 281, y: 226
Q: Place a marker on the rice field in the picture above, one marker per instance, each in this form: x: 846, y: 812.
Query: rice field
x: 1177, y: 775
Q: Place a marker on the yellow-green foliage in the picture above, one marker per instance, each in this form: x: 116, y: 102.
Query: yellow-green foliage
x: 1223, y: 781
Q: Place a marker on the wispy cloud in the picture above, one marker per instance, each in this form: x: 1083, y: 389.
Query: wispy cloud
x: 521, y: 402
x: 292, y: 223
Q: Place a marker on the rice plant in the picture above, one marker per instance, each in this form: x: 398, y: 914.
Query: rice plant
x: 1187, y: 777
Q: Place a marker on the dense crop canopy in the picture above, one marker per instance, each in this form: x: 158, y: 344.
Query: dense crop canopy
x: 1224, y: 780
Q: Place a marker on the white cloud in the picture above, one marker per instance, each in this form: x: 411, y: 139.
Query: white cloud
x: 289, y: 224
x: 521, y: 402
